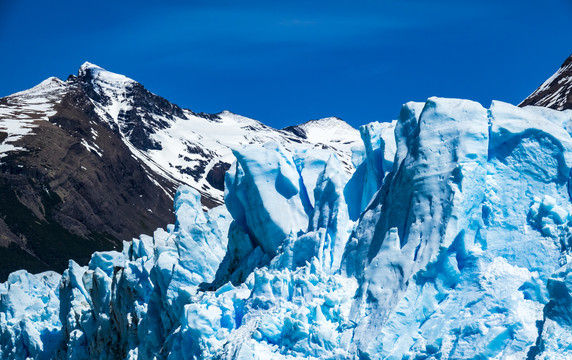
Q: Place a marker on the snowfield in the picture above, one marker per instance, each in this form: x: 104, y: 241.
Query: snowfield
x: 17, y: 119
x: 450, y: 240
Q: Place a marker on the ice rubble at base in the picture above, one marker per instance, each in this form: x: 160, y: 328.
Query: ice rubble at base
x: 451, y: 240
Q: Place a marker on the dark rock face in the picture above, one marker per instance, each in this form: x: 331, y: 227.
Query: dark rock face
x: 71, y: 192
x: 215, y: 176
x: 296, y: 130
x: 137, y: 123
x: 555, y: 93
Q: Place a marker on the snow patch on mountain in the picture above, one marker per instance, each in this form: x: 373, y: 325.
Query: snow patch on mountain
x: 20, y: 111
x: 332, y: 132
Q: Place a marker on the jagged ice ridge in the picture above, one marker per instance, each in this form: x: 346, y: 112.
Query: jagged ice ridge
x: 450, y: 240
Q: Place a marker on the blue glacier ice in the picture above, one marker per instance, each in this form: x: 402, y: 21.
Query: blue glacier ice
x: 451, y: 240
x: 372, y: 163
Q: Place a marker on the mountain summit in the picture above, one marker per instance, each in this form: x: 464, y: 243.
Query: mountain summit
x: 556, y: 92
x: 94, y: 160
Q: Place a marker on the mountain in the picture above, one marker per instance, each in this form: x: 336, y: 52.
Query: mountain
x: 556, y: 92
x: 189, y: 147
x: 462, y: 252
x: 94, y: 160
x: 333, y: 133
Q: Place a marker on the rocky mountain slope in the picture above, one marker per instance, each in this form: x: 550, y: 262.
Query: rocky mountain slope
x: 556, y: 92
x: 94, y: 160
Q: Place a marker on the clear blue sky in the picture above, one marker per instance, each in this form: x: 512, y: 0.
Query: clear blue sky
x: 285, y: 62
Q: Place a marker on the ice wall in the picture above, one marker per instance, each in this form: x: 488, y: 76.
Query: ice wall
x: 452, y: 258
x: 451, y: 240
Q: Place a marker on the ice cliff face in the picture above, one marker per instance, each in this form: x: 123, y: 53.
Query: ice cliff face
x: 450, y: 240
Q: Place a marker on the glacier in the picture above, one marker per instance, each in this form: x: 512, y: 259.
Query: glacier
x: 450, y: 240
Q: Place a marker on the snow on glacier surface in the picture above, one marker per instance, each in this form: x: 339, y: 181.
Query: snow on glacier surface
x: 451, y: 240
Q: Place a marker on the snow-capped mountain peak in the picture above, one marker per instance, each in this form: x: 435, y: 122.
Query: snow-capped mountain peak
x: 109, y: 92
x: 327, y: 130
x: 195, y: 148
x: 330, y: 132
x: 89, y: 71
x: 41, y: 90
x: 87, y: 66
x: 177, y: 144
x: 48, y: 84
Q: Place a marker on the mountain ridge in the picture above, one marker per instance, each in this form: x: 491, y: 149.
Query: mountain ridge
x: 556, y: 91
x: 100, y: 143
